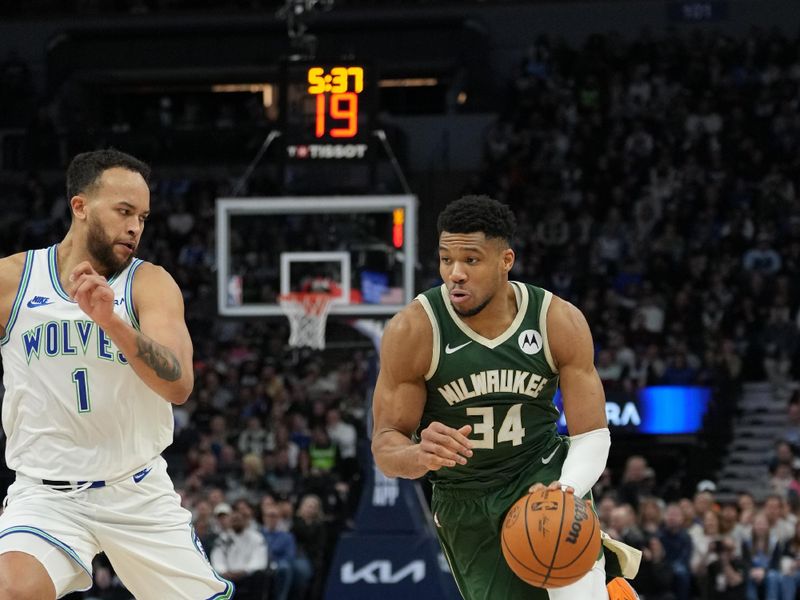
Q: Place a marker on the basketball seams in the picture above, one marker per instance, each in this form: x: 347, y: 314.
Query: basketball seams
x: 569, y: 578
x: 518, y: 543
x: 558, y: 537
x: 580, y: 554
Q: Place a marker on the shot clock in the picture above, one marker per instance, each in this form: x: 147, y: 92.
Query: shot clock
x: 326, y: 110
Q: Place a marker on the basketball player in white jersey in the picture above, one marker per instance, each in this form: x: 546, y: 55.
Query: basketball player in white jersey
x: 95, y: 351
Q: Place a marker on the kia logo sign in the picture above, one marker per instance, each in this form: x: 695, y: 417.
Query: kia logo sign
x: 382, y: 572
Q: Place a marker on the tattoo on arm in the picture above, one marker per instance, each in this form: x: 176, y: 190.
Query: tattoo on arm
x: 158, y: 358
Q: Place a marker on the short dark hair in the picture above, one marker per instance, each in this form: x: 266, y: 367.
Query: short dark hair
x: 86, y: 168
x: 471, y: 214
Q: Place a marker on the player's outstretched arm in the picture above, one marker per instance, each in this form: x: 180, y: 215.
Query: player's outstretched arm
x: 583, y: 396
x: 160, y: 352
x: 399, y: 401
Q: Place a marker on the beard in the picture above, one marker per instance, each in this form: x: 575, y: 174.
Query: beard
x: 471, y: 312
x: 101, y: 249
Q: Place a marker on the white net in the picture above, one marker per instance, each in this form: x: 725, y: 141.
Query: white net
x: 308, y: 314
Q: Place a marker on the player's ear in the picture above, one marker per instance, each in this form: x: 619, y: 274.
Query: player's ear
x: 78, y: 205
x: 508, y: 259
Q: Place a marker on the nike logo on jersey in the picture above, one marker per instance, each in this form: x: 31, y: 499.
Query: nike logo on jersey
x: 449, y: 350
x: 137, y: 477
x: 549, y: 458
x: 37, y: 301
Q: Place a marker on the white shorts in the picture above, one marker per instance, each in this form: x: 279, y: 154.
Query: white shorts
x: 141, y: 526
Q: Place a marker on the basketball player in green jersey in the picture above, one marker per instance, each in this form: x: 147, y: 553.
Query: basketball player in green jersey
x: 465, y: 394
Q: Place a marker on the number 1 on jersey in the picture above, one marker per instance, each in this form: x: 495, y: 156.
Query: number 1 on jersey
x: 80, y: 378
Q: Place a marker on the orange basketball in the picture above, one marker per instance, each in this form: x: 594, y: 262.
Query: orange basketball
x: 550, y: 539
x: 619, y: 589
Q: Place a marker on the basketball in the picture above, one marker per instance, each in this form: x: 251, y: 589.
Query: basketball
x: 550, y: 539
x: 620, y: 589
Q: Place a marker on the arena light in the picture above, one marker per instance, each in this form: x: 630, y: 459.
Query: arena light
x: 265, y: 89
x: 409, y: 82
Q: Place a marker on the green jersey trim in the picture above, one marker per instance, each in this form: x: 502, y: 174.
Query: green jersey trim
x: 522, y: 307
x: 423, y: 300
x: 548, y: 297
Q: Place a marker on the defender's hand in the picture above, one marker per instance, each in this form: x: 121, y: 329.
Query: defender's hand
x: 92, y: 293
x: 442, y: 446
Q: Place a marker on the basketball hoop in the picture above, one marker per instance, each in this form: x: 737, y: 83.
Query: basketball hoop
x: 307, y: 313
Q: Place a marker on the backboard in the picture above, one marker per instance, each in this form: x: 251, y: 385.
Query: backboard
x: 363, y: 249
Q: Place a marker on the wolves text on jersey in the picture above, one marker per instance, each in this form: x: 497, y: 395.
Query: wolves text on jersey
x: 64, y: 338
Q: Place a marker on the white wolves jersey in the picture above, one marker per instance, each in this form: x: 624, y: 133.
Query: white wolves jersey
x: 74, y: 410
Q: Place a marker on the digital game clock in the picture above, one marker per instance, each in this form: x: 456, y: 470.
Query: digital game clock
x: 326, y: 110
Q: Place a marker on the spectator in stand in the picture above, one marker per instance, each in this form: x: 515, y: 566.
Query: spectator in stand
x: 727, y: 573
x: 791, y: 433
x: 632, y: 484
x: 651, y: 515
x: 775, y: 510
x: 281, y: 478
x: 623, y: 527
x: 747, y: 509
x: 240, y: 555
x: 222, y: 520
x: 762, y: 551
x: 204, y: 524
x: 790, y: 566
x: 782, y: 480
x: 252, y: 478
x: 677, y: 550
x: 782, y: 454
x: 310, y: 533
x: 345, y: 437
x: 322, y: 452
x: 243, y: 507
x: 704, y: 545
x: 655, y: 578
x: 282, y: 553
x: 605, y: 507
x: 704, y: 499
x: 253, y: 440
x: 730, y: 524
x: 609, y: 370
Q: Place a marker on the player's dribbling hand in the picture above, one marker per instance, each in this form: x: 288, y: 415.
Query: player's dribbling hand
x: 442, y: 446
x: 555, y: 485
x: 92, y: 293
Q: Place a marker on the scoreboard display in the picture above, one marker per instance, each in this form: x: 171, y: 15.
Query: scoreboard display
x: 327, y: 110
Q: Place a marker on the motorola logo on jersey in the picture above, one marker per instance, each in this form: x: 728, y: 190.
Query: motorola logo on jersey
x: 530, y: 341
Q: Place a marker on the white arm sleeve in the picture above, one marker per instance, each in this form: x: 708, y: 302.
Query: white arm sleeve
x: 586, y: 459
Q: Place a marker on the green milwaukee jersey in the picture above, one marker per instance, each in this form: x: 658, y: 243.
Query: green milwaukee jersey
x: 503, y: 387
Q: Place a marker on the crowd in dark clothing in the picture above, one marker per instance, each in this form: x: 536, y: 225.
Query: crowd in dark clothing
x: 654, y: 182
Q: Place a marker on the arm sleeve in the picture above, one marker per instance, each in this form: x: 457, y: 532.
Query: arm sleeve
x: 586, y: 459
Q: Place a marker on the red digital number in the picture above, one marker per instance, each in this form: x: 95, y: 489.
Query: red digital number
x: 342, y: 107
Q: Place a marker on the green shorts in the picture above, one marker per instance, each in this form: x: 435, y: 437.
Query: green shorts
x: 468, y: 524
